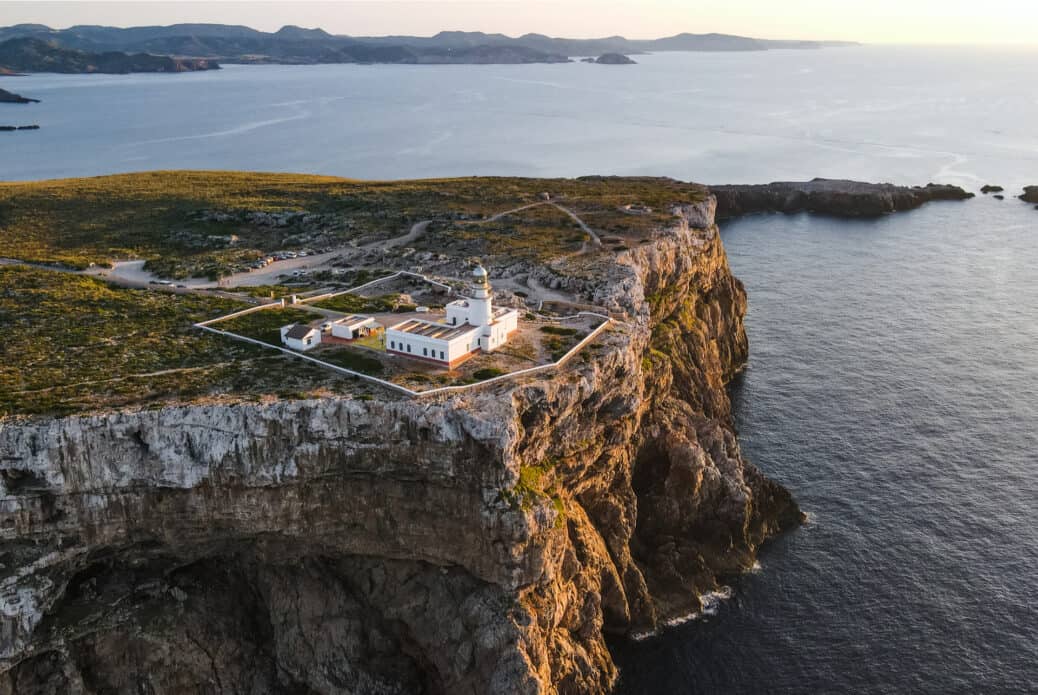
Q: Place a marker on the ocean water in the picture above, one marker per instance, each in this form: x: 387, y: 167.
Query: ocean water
x: 893, y: 377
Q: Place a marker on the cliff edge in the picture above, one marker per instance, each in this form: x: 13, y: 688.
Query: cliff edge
x: 480, y: 542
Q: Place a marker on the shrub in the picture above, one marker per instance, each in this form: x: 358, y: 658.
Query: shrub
x: 558, y: 330
x: 351, y: 359
x: 488, y: 373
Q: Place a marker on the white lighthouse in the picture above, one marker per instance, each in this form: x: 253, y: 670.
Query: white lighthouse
x: 473, y: 325
x: 481, y: 311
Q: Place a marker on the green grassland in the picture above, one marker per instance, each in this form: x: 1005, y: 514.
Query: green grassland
x: 73, y: 343
x: 162, y: 216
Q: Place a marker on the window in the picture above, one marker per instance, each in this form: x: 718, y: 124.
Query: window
x: 409, y: 347
x: 454, y: 320
x: 392, y: 345
x: 441, y: 355
x: 309, y: 341
x: 425, y: 352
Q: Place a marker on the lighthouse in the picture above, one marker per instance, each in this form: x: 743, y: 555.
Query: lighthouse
x: 472, y: 325
x: 481, y: 311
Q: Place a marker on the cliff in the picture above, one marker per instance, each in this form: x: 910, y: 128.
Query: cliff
x: 483, y: 542
x: 829, y: 197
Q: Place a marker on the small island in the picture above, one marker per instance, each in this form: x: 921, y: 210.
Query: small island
x: 1030, y: 194
x: 991, y: 189
x: 611, y: 59
x: 12, y: 98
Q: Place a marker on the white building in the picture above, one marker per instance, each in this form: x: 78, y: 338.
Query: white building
x: 472, y: 325
x: 353, y: 326
x: 300, y: 336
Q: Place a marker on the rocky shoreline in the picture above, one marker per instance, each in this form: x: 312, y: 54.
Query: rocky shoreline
x: 838, y: 198
x: 1030, y: 194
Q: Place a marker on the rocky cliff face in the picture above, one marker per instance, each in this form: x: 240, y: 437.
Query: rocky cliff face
x: 485, y: 542
x: 829, y: 197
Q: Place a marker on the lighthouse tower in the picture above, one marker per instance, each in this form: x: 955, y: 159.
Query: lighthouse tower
x: 481, y: 312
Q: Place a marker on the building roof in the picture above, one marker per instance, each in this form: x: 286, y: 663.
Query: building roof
x: 428, y: 329
x: 299, y: 331
x: 353, y: 320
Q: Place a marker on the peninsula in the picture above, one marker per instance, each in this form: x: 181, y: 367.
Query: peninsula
x: 240, y: 482
x: 11, y: 98
x: 36, y: 55
x: 830, y: 197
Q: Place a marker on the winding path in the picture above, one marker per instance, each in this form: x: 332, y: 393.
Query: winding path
x: 572, y: 215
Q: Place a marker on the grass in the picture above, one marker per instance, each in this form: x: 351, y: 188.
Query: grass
x: 487, y: 373
x: 559, y: 330
x: 75, y: 344
x: 533, y: 486
x: 351, y: 359
x: 266, y: 325
x: 355, y: 304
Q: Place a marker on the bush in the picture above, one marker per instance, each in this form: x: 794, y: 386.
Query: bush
x: 350, y: 359
x: 558, y: 330
x: 488, y: 373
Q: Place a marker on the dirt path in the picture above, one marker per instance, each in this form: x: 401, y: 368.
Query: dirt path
x: 572, y: 215
x: 583, y: 225
x: 417, y: 230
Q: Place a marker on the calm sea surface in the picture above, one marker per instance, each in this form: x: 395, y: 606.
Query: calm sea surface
x: 893, y: 378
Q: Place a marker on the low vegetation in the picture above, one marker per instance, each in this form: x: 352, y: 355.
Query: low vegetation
x: 265, y: 325
x: 355, y: 304
x: 350, y: 358
x: 74, y: 343
x: 209, y: 223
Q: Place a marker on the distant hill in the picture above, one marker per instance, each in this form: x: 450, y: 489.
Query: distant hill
x: 296, y: 45
x: 35, y: 55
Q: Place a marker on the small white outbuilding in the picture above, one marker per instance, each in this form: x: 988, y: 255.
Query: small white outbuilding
x: 300, y: 336
x: 353, y: 326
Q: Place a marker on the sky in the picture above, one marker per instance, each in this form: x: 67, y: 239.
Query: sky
x: 870, y: 21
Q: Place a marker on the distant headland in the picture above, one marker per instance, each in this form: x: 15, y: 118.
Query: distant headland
x: 12, y: 98
x: 186, y: 47
x: 28, y: 54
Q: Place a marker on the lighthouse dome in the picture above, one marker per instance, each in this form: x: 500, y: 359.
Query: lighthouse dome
x: 479, y: 272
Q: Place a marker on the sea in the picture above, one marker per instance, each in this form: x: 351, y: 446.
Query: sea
x: 893, y: 374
